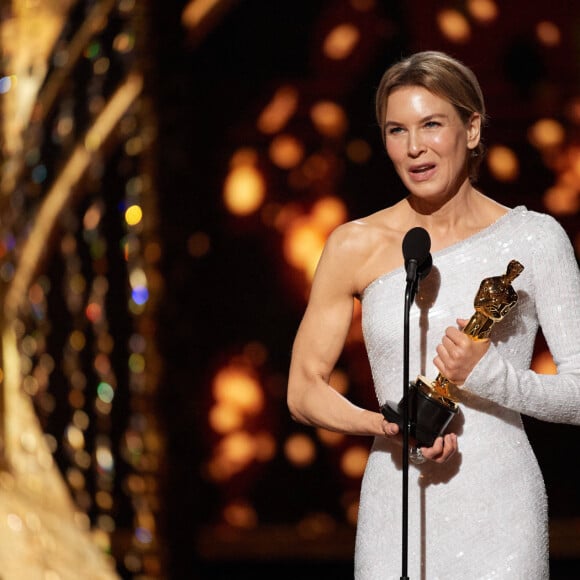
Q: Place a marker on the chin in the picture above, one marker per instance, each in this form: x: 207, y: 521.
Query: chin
x: 428, y: 192
x: 431, y: 199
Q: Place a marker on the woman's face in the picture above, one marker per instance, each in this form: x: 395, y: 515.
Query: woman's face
x: 428, y: 142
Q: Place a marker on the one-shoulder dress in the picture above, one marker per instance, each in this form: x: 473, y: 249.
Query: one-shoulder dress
x: 483, y: 514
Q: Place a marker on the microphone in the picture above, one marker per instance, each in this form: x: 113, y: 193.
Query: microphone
x: 418, y: 260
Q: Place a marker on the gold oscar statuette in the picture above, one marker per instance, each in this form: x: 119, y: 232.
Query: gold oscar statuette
x: 432, y: 404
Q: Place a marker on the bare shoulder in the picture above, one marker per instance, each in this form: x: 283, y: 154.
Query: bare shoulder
x: 361, y: 235
x: 354, y: 238
x: 490, y: 210
x: 365, y: 248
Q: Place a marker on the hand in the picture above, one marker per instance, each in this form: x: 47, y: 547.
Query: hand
x: 390, y: 429
x: 458, y: 353
x: 442, y: 449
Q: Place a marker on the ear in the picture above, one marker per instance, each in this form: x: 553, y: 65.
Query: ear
x: 473, y: 127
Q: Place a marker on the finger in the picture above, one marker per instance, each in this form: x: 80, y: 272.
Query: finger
x: 445, y: 360
x: 439, y: 365
x: 435, y: 450
x: 450, y: 346
x: 449, y: 446
x: 443, y: 351
x: 457, y: 346
x: 390, y: 429
x: 442, y: 449
x: 455, y: 335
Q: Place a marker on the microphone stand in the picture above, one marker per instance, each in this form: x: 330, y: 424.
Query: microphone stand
x: 410, y: 289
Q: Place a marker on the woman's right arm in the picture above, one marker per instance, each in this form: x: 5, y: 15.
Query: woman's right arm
x: 319, y: 342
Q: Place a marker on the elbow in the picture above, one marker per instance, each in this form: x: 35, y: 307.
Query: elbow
x: 293, y: 407
x: 293, y: 401
x: 302, y: 396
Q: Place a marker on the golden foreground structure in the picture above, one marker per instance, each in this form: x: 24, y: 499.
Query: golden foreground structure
x: 43, y: 532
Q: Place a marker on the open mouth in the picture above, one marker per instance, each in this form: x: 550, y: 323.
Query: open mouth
x: 422, y: 172
x: 421, y: 168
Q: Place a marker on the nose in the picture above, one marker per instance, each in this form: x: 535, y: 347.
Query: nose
x: 415, y: 145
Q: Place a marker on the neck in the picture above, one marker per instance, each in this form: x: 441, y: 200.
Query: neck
x: 451, y: 220
x: 446, y: 211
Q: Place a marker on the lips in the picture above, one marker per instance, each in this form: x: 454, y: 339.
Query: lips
x: 422, y: 172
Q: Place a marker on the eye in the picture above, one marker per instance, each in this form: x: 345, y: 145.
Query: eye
x: 394, y: 130
x: 432, y: 124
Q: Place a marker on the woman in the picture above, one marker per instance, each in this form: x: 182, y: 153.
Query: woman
x: 478, y: 513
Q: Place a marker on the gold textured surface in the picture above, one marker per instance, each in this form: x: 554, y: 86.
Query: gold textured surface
x: 42, y: 534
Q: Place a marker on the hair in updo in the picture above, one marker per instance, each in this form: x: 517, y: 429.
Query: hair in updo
x: 443, y: 76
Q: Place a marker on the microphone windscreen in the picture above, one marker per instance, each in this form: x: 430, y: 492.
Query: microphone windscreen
x: 416, y: 245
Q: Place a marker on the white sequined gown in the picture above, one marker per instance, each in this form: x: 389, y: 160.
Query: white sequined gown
x: 482, y: 515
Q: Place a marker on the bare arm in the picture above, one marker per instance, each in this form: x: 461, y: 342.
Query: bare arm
x: 319, y: 343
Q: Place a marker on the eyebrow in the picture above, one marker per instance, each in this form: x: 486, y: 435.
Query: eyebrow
x: 423, y: 120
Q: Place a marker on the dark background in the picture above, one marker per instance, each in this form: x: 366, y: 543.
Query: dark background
x: 209, y: 86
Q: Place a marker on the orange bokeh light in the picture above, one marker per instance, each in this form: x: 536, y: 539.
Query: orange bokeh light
x: 300, y: 450
x: 546, y: 133
x: 303, y: 245
x: 225, y: 418
x: 548, y: 33
x: 240, y: 514
x: 354, y: 460
x: 543, y: 363
x: 235, y: 386
x: 329, y: 118
x: 341, y: 41
x: 454, y: 25
x: 233, y: 454
x: 328, y: 213
x: 562, y: 200
x: 279, y: 110
x: 484, y: 11
x: 330, y: 438
x: 244, y: 190
x: 339, y: 381
x: 265, y: 446
x: 503, y: 163
x: 238, y: 447
x: 286, y: 151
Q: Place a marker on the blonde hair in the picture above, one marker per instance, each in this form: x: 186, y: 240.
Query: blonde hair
x: 443, y: 76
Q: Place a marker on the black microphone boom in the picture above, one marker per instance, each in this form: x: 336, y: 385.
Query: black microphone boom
x: 416, y: 247
x: 418, y: 262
